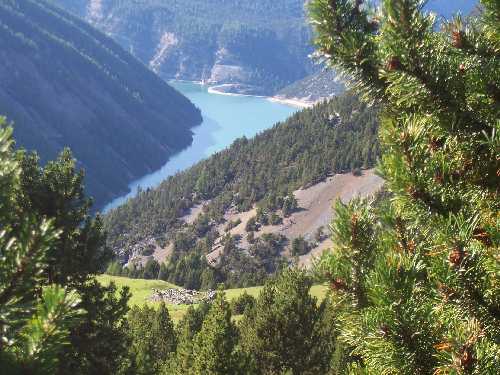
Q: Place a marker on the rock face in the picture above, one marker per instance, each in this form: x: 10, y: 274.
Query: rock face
x: 181, y: 296
x: 63, y: 83
x: 259, y: 46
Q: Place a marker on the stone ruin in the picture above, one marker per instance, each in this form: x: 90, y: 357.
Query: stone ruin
x: 181, y: 296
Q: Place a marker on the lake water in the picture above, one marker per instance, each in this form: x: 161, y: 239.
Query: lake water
x: 225, y: 118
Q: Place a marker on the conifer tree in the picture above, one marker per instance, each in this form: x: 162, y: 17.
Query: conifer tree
x: 55, y: 191
x: 34, y: 320
x: 416, y: 281
x: 285, y: 331
x: 215, y: 349
x: 153, y: 338
x: 186, y: 330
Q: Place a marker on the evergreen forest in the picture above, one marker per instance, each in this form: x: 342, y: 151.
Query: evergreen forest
x: 414, y: 272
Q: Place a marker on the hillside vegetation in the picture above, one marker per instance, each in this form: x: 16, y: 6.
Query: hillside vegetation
x: 141, y: 290
x: 66, y: 84
x: 339, y: 136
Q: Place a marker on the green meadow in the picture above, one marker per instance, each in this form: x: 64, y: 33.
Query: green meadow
x: 141, y: 290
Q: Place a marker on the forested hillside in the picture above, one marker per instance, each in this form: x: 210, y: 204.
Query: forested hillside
x: 410, y: 285
x: 257, y: 45
x: 249, y: 46
x: 66, y: 84
x: 333, y: 137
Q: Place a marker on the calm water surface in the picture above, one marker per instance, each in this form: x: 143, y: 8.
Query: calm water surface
x: 225, y: 118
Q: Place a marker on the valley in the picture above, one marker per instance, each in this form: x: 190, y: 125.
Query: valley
x: 65, y: 84
x: 142, y: 290
x: 264, y: 201
x: 185, y: 188
x: 225, y: 119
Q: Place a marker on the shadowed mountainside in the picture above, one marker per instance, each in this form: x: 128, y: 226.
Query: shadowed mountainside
x: 66, y: 84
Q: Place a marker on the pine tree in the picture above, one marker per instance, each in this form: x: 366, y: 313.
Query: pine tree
x: 214, y: 348
x: 153, y: 338
x: 187, y: 328
x: 285, y: 331
x: 34, y: 320
x: 416, y: 280
x: 163, y: 273
x: 163, y: 330
x: 56, y: 191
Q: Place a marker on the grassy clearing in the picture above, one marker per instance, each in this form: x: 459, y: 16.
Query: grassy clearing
x: 142, y: 289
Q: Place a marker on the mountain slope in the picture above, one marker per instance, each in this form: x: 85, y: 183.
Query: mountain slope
x: 66, y: 84
x: 242, y: 46
x: 190, y: 217
x: 257, y: 45
x: 315, y: 87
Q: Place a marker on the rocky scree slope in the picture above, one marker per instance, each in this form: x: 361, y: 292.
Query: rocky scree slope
x: 241, y: 215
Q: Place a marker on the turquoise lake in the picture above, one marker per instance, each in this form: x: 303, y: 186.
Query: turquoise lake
x: 225, y: 118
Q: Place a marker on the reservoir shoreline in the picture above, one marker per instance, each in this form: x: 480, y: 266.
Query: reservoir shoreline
x: 225, y: 119
x: 300, y: 103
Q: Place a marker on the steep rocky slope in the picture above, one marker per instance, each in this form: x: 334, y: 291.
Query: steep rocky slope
x: 251, y: 46
x: 65, y: 84
x: 241, y: 46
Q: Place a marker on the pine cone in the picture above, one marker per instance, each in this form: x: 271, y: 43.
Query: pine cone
x: 456, y: 257
x: 482, y: 236
x: 393, y: 64
x: 439, y: 178
x: 411, y: 246
x: 447, y: 292
x: 338, y: 284
x: 384, y: 330
x: 457, y: 38
x: 466, y: 357
x: 414, y: 193
x: 435, y: 144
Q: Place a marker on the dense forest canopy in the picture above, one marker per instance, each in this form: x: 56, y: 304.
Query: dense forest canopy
x: 66, y: 84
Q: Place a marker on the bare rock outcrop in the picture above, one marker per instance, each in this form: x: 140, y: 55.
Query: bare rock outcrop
x: 181, y: 296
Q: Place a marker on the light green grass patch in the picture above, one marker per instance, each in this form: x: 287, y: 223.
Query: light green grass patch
x: 141, y: 290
